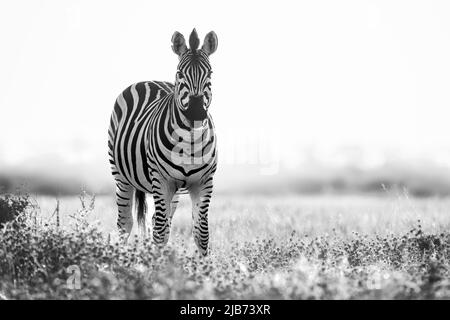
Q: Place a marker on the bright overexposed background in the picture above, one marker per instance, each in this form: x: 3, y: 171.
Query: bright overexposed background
x: 297, y: 85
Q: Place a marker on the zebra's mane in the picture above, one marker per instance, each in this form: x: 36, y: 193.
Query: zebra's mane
x: 194, y: 41
x: 194, y: 55
x: 194, y: 58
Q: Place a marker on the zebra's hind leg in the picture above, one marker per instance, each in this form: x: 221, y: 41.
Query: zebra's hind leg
x: 124, y: 196
x: 201, y: 196
x: 173, y: 207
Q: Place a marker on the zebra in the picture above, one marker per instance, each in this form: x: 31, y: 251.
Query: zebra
x: 162, y: 141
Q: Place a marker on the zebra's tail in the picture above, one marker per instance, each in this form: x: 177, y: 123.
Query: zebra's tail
x: 141, y: 207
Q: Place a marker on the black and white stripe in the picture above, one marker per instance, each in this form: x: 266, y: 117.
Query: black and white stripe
x: 162, y: 142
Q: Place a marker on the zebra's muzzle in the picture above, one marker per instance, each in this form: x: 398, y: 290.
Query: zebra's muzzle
x: 195, y: 111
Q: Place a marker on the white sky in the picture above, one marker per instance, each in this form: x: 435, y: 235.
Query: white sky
x: 374, y: 74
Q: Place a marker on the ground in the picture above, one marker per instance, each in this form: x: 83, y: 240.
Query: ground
x: 282, y: 247
x: 245, y: 218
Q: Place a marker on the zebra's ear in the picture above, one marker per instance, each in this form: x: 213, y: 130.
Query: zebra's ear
x: 210, y: 43
x: 178, y: 43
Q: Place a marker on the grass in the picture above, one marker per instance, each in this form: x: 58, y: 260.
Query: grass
x: 289, y: 247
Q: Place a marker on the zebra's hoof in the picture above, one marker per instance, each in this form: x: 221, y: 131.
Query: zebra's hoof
x: 201, y: 253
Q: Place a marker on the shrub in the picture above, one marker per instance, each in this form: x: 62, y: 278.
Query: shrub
x: 12, y: 206
x: 37, y: 261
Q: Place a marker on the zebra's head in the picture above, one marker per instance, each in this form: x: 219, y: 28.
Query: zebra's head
x: 193, y: 79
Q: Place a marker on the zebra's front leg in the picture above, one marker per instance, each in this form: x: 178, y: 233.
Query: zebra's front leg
x: 162, y: 197
x: 124, y: 194
x: 201, y: 196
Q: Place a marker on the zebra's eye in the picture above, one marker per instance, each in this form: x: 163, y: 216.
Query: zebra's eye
x: 180, y: 75
x: 209, y: 74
